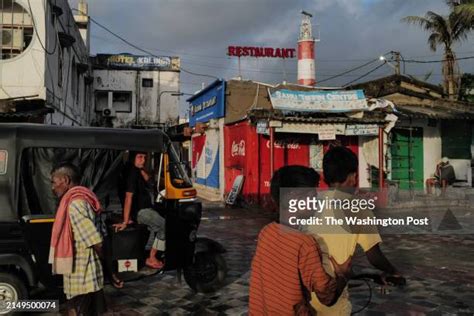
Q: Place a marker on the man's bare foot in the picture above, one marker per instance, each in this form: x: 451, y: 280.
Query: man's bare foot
x: 154, y: 263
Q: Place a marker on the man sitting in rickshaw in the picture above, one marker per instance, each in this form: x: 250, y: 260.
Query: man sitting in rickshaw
x: 138, y: 207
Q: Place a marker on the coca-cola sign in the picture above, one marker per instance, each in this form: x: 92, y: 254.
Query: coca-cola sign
x: 285, y: 143
x: 238, y: 148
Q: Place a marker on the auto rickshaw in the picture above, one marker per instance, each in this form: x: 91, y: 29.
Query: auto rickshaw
x: 28, y: 152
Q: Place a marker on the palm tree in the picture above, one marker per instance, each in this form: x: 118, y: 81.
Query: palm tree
x: 445, y: 31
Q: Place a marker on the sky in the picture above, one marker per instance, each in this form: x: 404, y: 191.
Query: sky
x: 352, y: 32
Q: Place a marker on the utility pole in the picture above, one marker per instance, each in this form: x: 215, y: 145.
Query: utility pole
x: 396, y: 56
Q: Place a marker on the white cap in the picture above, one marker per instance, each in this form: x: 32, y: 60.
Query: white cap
x: 444, y: 160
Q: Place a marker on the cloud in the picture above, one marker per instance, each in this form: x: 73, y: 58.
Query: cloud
x: 199, y: 31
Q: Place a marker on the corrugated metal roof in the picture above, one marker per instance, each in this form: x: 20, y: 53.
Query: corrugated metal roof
x: 369, y: 117
x: 435, y: 112
x: 23, y: 114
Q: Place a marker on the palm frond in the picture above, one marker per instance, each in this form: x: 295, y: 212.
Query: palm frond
x: 438, y: 22
x: 417, y: 20
x: 459, y: 29
x: 466, y: 13
x: 434, y: 40
x: 441, y: 25
x: 452, y: 3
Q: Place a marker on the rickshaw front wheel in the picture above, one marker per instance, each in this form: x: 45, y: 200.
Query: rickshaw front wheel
x: 208, y: 272
x: 11, y: 289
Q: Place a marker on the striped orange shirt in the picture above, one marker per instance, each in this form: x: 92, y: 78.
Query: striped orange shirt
x: 282, y: 255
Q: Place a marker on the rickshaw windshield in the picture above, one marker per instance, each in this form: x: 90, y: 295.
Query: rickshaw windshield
x: 179, y: 178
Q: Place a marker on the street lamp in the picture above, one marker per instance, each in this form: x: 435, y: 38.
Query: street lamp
x: 172, y: 93
x: 395, y: 56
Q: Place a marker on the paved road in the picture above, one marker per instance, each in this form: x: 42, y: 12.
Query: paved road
x: 440, y: 272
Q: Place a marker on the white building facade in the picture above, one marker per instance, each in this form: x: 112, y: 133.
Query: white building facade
x: 44, y: 69
x: 132, y: 90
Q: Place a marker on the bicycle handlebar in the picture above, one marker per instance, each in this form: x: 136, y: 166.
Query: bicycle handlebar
x: 380, y: 279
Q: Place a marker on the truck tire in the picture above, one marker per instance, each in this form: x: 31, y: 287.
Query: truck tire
x: 208, y: 272
x: 11, y: 289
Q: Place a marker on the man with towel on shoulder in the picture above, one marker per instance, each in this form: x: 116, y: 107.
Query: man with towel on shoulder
x: 76, y: 243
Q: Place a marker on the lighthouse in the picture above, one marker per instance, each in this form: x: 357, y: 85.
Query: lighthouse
x: 306, y: 73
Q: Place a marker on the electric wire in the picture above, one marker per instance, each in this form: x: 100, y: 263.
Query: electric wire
x: 364, y: 75
x: 47, y: 64
x: 147, y: 51
x: 435, y: 61
x: 201, y: 56
x: 349, y: 71
x: 141, y: 49
x: 37, y: 34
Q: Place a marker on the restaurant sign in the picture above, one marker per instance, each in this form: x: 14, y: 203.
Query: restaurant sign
x: 259, y: 52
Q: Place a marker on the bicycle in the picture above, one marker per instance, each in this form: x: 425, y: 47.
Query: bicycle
x: 380, y: 279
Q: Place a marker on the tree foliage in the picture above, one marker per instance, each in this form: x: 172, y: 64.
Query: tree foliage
x: 445, y: 31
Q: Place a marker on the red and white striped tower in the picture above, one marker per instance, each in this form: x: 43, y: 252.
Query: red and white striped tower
x: 306, y: 73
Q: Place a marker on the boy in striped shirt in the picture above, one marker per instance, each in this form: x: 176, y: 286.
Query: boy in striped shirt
x: 287, y: 264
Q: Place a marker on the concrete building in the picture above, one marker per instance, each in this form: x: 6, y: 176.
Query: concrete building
x: 430, y: 127
x: 44, y: 71
x: 206, y: 117
x: 240, y: 130
x: 136, y: 90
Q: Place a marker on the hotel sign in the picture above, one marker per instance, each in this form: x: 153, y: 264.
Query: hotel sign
x: 127, y: 61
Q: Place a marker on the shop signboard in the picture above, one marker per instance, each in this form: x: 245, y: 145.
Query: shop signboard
x: 262, y: 128
x: 305, y: 128
x: 326, y: 132
x: 318, y: 101
x: 362, y: 130
x: 207, y: 104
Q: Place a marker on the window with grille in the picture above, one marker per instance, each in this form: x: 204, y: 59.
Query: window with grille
x: 120, y: 101
x: 16, y: 29
x: 147, y: 83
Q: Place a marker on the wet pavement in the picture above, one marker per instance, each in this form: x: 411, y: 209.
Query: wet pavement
x: 439, y: 271
x: 237, y: 230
